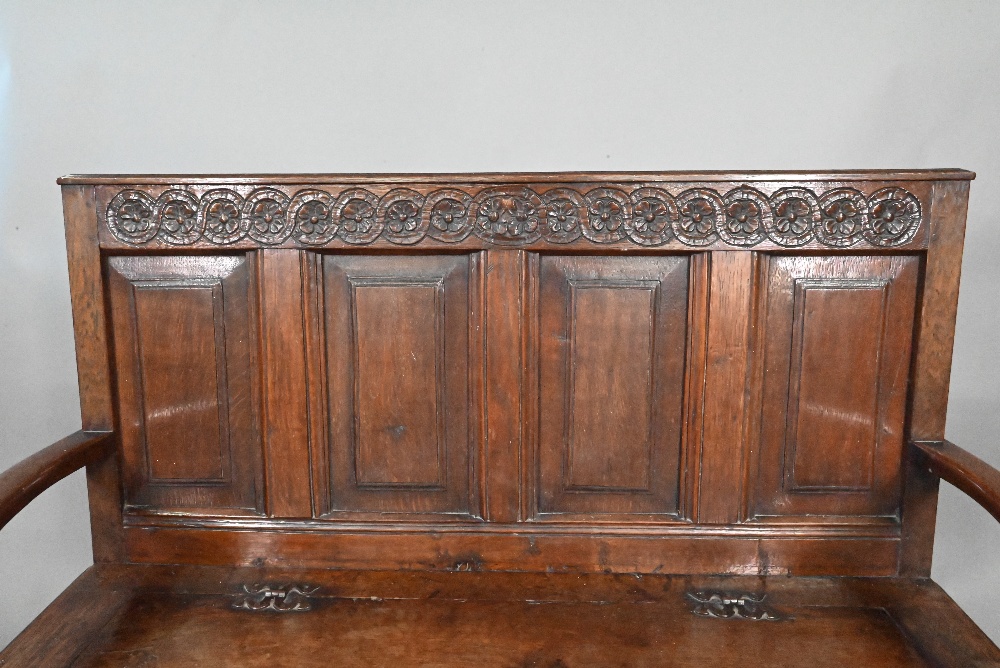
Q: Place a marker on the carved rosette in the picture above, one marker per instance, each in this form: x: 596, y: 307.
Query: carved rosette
x: 794, y: 215
x: 747, y: 217
x: 609, y: 215
x: 131, y: 218
x: 508, y: 216
x: 399, y: 216
x: 220, y: 216
x: 893, y: 217
x: 177, y: 215
x: 843, y: 217
x: 446, y: 215
x: 355, y: 215
x: 312, y: 214
x: 654, y: 215
x: 565, y: 212
x: 699, y: 211
x: 516, y: 215
x: 266, y: 211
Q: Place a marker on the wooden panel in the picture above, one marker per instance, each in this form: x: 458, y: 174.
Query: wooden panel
x: 836, y: 342
x: 397, y: 344
x: 185, y: 372
x: 525, y: 547
x: 284, y: 294
x: 834, y: 387
x: 612, y: 345
x: 504, y: 382
x: 729, y: 317
x: 400, y: 439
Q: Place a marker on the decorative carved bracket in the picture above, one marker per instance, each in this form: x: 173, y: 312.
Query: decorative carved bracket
x: 276, y: 598
x: 732, y: 605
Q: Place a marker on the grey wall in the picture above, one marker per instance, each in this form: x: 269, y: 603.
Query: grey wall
x: 315, y: 86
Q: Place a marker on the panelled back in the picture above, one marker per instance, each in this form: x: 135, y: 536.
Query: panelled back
x: 654, y: 372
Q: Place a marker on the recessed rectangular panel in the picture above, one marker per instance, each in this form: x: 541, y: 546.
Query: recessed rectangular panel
x: 835, y: 382
x: 181, y: 398
x: 611, y: 396
x: 186, y: 364
x: 398, y: 365
x: 836, y: 341
x: 611, y: 346
x: 398, y: 369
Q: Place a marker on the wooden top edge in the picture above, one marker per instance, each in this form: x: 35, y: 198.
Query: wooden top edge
x: 522, y: 177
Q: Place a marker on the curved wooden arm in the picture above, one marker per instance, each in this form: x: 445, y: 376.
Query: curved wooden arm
x: 963, y: 470
x: 27, y: 479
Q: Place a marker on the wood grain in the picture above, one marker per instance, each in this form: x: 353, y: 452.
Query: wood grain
x: 94, y: 368
x: 724, y: 413
x: 963, y: 470
x: 612, y: 349
x: 505, y: 288
x: 283, y: 367
x: 24, y: 481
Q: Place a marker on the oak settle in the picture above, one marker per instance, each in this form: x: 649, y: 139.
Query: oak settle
x: 573, y: 419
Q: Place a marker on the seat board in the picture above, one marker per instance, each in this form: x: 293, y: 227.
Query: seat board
x: 180, y: 616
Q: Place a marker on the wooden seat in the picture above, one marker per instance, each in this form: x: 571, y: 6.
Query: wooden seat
x: 549, y: 420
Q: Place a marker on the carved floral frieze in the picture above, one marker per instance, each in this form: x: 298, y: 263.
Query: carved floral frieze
x: 741, y: 217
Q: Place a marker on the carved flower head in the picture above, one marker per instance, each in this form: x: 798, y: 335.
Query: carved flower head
x: 508, y: 216
x: 267, y: 216
x: 562, y: 215
x: 743, y: 217
x: 447, y: 215
x: 889, y: 218
x: 135, y: 217
x: 607, y: 213
x: 223, y: 217
x: 358, y: 215
x: 313, y: 218
x: 698, y: 216
x: 791, y: 216
x: 841, y: 218
x: 650, y: 214
x: 178, y: 217
x: 403, y: 215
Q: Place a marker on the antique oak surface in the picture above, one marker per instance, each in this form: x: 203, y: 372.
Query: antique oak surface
x: 626, y: 419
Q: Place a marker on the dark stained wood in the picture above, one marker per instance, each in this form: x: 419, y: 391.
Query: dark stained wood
x: 170, y: 616
x: 185, y: 361
x: 24, y: 481
x: 931, y: 371
x: 286, y: 424
x: 726, y: 367
x: 837, y: 349
x: 936, y: 337
x: 963, y: 470
x: 527, y: 177
x: 504, y: 426
x: 512, y: 419
x: 93, y: 361
x: 814, y: 550
x: 612, y: 349
x: 397, y: 345
x: 553, y: 216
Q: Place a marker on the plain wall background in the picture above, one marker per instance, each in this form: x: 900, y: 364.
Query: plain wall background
x: 461, y: 86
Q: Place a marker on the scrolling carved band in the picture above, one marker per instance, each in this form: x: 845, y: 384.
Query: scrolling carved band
x: 517, y: 215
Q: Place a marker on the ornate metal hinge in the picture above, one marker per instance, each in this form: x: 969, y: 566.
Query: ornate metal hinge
x: 732, y: 605
x: 276, y: 598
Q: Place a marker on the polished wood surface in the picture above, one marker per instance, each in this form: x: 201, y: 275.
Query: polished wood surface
x: 24, y: 481
x: 170, y: 616
x: 964, y: 470
x: 514, y: 419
